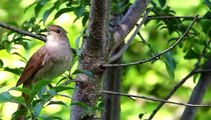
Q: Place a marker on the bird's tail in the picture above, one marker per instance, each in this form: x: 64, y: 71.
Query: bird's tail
x: 21, y: 112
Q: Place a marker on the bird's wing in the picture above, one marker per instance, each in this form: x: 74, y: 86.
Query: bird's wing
x: 33, y: 65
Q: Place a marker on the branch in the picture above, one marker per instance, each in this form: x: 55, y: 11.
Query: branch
x: 154, y: 99
x: 129, y: 21
x: 153, y: 17
x: 23, y: 32
x: 156, y: 57
x: 121, y: 52
x: 194, y: 71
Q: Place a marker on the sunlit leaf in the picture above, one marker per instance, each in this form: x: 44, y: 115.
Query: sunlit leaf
x: 62, y: 11
x: 18, y: 54
x: 47, y: 13
x: 28, y: 7
x: 24, y: 90
x: 57, y: 103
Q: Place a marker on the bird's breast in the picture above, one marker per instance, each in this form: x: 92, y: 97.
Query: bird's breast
x: 56, y: 62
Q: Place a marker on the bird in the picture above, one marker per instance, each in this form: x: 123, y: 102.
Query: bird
x: 47, y: 63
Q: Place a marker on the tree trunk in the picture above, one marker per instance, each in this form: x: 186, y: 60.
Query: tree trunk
x: 95, y: 49
x: 93, y: 55
x: 112, y: 82
x: 198, y: 93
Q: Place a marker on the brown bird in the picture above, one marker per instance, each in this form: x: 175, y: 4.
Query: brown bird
x: 50, y: 61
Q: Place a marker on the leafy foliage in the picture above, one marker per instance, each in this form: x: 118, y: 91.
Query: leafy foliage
x: 153, y: 79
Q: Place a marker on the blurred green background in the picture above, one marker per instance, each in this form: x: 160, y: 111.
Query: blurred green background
x: 149, y: 79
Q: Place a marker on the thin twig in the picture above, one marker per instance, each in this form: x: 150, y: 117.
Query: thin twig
x: 156, y: 57
x: 173, y: 17
x: 145, y: 42
x: 154, y: 99
x: 23, y: 32
x: 124, y: 48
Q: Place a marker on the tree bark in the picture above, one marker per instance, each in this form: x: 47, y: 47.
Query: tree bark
x: 95, y: 51
x: 112, y: 82
x: 93, y: 55
x: 198, y: 93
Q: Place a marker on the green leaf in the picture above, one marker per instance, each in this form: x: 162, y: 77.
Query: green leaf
x: 52, y: 118
x: 16, y: 71
x: 18, y: 54
x: 37, y: 109
x: 7, y: 97
x: 208, y: 3
x: 206, y: 27
x: 57, y: 103
x: 85, y: 18
x: 170, y: 63
x: 47, y: 13
x: 61, y: 88
x: 140, y: 116
x: 79, y: 11
x: 88, y: 73
x: 81, y: 104
x: 39, y: 6
x: 29, y: 7
x: 42, y: 91
x: 62, y: 11
x: 208, y: 15
x: 37, y: 9
x: 1, y: 63
x: 4, y: 38
x: 162, y: 3
x: 52, y: 92
x: 94, y: 109
x: 77, y: 41
x: 23, y: 90
x: 191, y: 54
x: 38, y: 86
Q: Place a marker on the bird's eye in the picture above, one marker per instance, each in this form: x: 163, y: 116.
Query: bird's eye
x: 58, y: 31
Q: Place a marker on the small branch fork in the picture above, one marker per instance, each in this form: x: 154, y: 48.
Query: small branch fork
x: 121, y: 52
x: 156, y: 57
